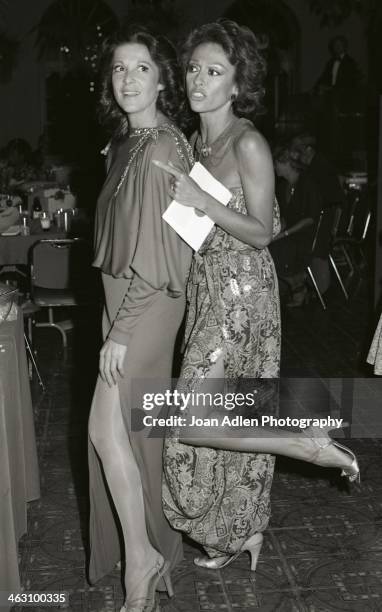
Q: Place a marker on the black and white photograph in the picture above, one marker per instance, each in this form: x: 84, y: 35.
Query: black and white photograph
x: 191, y: 305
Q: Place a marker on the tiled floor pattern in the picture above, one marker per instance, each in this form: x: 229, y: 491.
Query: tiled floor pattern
x: 323, y: 550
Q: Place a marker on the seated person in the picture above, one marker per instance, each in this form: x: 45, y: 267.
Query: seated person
x: 303, y: 149
x: 9, y: 215
x: 16, y: 163
x: 300, y: 205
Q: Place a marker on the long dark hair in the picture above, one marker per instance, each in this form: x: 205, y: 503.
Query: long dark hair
x: 242, y: 49
x: 171, y: 100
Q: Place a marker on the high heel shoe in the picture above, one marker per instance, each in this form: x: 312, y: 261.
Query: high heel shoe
x: 149, y: 603
x: 322, y: 440
x: 252, y: 545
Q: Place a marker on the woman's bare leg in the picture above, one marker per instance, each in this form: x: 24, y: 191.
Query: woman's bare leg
x: 297, y: 447
x: 108, y: 434
x: 262, y: 440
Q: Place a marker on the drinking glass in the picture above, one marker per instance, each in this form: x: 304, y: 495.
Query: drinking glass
x: 45, y: 221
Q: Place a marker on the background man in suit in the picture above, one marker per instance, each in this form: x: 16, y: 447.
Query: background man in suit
x: 341, y: 75
x: 337, y: 93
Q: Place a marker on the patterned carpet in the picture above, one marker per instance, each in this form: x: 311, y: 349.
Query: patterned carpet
x: 323, y: 550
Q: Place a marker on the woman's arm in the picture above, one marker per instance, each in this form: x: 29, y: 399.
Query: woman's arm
x: 255, y: 168
x: 137, y: 300
x: 161, y: 259
x: 256, y: 173
x: 293, y: 229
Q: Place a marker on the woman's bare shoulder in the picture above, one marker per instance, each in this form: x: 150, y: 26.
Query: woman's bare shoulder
x: 251, y: 143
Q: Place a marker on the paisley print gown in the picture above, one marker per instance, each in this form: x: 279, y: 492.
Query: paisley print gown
x: 220, y: 498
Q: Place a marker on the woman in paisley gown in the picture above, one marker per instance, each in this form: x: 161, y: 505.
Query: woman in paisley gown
x: 144, y: 267
x: 220, y: 497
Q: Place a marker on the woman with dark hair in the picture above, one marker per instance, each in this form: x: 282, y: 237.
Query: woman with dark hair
x: 220, y: 497
x: 144, y: 267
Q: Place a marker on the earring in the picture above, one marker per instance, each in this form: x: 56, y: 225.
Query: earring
x: 233, y: 97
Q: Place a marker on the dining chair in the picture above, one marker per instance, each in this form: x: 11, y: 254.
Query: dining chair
x: 353, y: 247
x: 33, y: 363
x: 328, y: 222
x: 61, y: 276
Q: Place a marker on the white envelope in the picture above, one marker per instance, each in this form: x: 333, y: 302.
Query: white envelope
x: 193, y: 228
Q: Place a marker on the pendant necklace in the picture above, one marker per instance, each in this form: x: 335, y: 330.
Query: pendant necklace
x: 205, y: 149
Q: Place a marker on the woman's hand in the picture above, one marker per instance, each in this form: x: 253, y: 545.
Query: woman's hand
x: 111, y: 360
x: 183, y: 188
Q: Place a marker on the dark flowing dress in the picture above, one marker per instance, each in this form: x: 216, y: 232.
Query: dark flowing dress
x: 220, y: 498
x: 145, y: 267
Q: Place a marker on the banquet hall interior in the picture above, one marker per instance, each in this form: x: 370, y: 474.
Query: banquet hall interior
x: 322, y: 550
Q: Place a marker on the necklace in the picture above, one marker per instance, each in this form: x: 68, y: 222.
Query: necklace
x: 140, y: 131
x: 145, y: 135
x: 182, y: 146
x: 206, y: 149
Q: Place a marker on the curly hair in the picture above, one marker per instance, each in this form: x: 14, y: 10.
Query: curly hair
x: 241, y: 47
x: 283, y: 154
x: 171, y: 100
